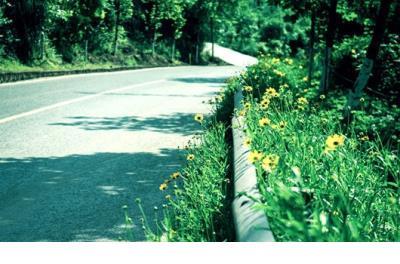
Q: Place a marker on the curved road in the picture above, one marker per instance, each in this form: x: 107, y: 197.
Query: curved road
x: 75, y: 149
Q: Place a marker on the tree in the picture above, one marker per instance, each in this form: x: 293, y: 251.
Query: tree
x: 121, y: 11
x: 372, y: 53
x: 330, y: 35
x: 28, y: 20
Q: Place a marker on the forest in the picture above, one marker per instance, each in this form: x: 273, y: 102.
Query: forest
x: 337, y: 34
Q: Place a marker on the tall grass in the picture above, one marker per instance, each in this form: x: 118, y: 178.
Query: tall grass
x: 198, y: 197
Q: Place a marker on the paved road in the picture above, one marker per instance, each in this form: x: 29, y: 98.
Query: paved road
x: 74, y: 150
x: 230, y: 56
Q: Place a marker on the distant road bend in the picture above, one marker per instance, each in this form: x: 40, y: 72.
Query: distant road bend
x: 75, y: 149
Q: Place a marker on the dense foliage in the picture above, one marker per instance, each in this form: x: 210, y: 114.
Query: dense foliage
x: 320, y: 179
x: 127, y: 31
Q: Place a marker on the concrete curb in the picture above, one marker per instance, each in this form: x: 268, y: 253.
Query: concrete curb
x: 7, y: 77
x: 251, y: 224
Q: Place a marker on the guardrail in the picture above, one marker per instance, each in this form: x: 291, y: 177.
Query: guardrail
x: 251, y: 224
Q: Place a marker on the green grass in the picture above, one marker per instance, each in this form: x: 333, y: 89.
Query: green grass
x: 198, y: 202
x: 12, y: 65
x: 347, y: 193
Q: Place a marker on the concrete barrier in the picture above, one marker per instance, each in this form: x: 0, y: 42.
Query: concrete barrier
x: 251, y: 224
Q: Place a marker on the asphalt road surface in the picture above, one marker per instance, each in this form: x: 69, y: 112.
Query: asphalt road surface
x: 75, y: 149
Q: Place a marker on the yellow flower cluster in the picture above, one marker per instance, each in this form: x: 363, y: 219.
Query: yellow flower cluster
x: 264, y: 104
x: 270, y: 92
x: 270, y: 162
x: 333, y: 142
x: 174, y: 176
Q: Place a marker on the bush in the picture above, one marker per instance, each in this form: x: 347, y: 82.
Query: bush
x: 319, y: 180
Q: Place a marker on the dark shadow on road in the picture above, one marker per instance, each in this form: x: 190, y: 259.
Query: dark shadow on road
x: 177, y: 123
x: 80, y: 197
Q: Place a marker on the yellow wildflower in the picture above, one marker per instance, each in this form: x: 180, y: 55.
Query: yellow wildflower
x: 271, y: 92
x: 254, y: 156
x: 333, y: 141
x: 322, y: 97
x: 247, y: 142
x: 265, y: 103
x: 190, y: 157
x: 275, y: 60
x: 270, y: 162
x: 199, y: 118
x: 163, y: 186
x: 282, y: 124
x: 364, y: 138
x: 242, y: 112
x: 175, y: 175
x: 248, y: 88
x: 264, y: 122
x: 279, y: 73
x: 305, y: 79
x: 302, y: 101
x: 247, y: 105
x: 289, y: 61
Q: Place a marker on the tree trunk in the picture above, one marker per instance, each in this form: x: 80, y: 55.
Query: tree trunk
x: 117, y: 6
x: 42, y: 46
x: 28, y: 19
x: 355, y: 94
x: 212, y: 36
x: 153, y: 46
x: 86, y: 49
x: 173, y: 50
x: 311, y: 48
x: 197, y: 55
x: 330, y: 35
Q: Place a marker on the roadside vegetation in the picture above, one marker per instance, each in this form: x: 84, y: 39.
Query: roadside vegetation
x: 321, y: 116
x: 198, y: 197
x: 321, y: 177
